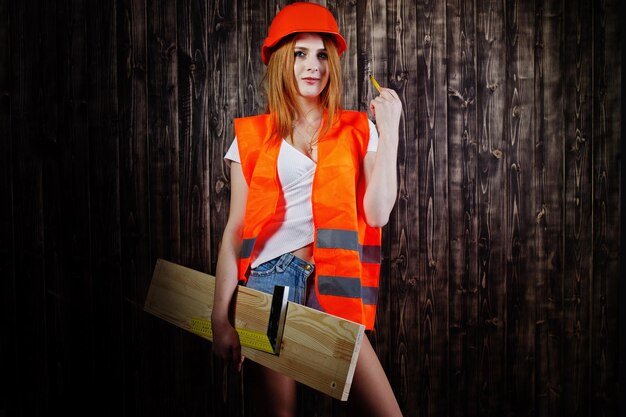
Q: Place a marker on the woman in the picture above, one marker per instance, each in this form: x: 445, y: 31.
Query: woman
x: 311, y: 186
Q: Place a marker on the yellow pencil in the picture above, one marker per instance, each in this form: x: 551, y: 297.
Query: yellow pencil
x: 375, y: 83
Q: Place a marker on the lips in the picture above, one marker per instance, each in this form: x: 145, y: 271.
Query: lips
x: 310, y: 80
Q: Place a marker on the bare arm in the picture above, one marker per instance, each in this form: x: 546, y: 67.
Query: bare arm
x: 380, y: 166
x: 225, y: 339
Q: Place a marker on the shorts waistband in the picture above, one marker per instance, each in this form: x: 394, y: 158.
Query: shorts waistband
x: 289, y: 258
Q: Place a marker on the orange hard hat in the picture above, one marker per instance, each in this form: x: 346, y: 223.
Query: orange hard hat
x: 300, y: 18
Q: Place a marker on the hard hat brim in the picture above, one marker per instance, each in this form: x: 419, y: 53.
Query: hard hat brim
x: 270, y: 43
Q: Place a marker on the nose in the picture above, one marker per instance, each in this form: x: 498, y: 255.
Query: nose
x: 313, y: 63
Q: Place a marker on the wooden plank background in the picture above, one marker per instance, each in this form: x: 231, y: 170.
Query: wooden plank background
x: 499, y: 290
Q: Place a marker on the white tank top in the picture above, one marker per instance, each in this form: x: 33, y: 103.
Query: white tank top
x: 291, y: 227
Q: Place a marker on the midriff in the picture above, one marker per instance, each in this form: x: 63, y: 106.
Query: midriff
x: 305, y: 253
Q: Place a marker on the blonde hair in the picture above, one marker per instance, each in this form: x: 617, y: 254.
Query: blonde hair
x: 281, y: 88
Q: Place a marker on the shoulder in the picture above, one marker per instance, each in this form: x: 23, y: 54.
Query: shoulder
x: 353, y: 116
x: 253, y: 130
x: 252, y: 122
x: 357, y: 121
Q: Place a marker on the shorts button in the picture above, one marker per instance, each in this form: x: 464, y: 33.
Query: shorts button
x: 307, y: 267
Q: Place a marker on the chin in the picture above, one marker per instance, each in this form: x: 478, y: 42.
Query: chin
x: 310, y: 96
x: 310, y: 92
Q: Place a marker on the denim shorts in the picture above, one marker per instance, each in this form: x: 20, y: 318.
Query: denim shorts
x: 286, y: 270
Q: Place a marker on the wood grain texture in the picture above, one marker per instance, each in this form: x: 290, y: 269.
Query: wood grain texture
x: 164, y: 153
x: 134, y: 176
x: 222, y: 74
x: 345, y: 13
x: 134, y: 179
x: 490, y: 204
x: 605, y: 209
x: 371, y: 46
x: 164, y: 179
x: 520, y: 240
x: 433, y: 203
x: 193, y: 125
x: 548, y: 183
x: 193, y: 80
x: 253, y: 17
x: 462, y: 166
x: 578, y: 62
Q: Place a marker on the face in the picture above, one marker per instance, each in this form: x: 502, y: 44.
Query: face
x: 310, y: 65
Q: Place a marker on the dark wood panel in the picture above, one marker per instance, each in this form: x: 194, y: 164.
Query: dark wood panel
x: 462, y: 166
x: 104, y: 210
x: 70, y: 293
x: 136, y: 260
x: 577, y: 207
x: 520, y: 239
x: 253, y: 19
x: 491, y: 206
x: 346, y: 15
x: 59, y: 338
x: 193, y: 130
x: 223, y: 74
x: 371, y: 46
x: 605, y: 210
x: 548, y: 183
x: 28, y: 355
x: 164, y: 194
x: 433, y: 207
x: 164, y: 150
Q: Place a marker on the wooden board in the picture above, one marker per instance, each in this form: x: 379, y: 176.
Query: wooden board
x: 318, y: 349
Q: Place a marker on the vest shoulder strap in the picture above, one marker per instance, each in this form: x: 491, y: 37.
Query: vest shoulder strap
x: 251, y: 133
x: 357, y: 121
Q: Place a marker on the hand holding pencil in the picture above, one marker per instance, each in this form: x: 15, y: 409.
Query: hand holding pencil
x: 386, y: 109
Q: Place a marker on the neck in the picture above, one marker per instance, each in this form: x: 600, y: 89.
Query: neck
x: 310, y: 110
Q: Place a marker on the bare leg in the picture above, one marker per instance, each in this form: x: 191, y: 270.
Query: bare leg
x: 371, y: 393
x: 274, y: 394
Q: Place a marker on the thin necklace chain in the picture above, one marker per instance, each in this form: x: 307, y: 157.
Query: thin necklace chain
x: 312, y: 138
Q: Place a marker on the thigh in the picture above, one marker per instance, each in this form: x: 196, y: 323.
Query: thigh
x: 273, y: 394
x: 371, y: 393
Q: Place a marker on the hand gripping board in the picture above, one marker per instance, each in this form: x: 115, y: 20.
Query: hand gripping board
x: 317, y: 349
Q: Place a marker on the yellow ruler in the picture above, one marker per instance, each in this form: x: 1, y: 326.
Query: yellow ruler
x: 250, y: 338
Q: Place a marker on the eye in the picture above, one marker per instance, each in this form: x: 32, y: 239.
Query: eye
x: 322, y: 55
x: 299, y: 54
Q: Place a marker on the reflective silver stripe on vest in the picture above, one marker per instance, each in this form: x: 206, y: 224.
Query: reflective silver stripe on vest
x: 337, y: 239
x: 370, y: 295
x: 246, y: 247
x: 369, y: 254
x: 339, y: 286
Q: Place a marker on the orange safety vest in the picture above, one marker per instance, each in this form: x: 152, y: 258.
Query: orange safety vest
x: 346, y: 250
